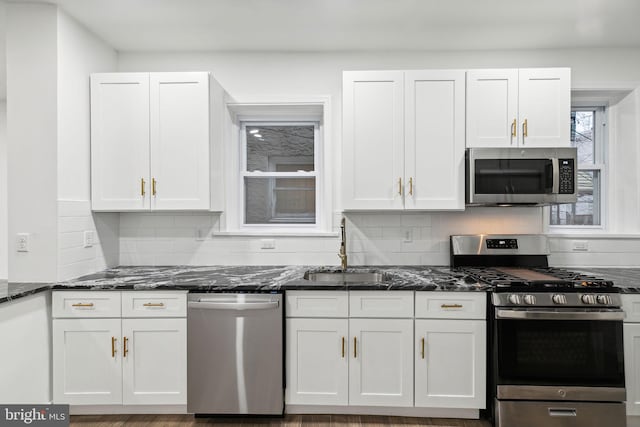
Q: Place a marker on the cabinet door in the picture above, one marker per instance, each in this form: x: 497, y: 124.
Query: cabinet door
x: 381, y: 362
x: 632, y: 366
x: 87, y: 364
x: 179, y: 125
x: 450, y: 363
x: 317, y: 362
x: 545, y: 105
x: 434, y: 139
x: 373, y: 140
x: 492, y: 108
x: 120, y: 141
x: 154, y: 366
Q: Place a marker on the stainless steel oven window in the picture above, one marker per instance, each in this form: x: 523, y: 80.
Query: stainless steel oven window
x: 588, y: 135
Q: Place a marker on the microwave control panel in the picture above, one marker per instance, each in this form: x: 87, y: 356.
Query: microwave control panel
x: 567, y: 176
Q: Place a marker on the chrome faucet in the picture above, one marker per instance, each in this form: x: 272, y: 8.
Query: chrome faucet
x: 343, y: 246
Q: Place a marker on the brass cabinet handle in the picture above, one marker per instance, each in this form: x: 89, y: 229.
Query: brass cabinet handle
x: 125, y: 351
x: 81, y: 304
x: 113, y: 346
x: 400, y: 186
x: 142, y: 192
x: 422, y: 347
x: 525, y: 130
x: 355, y: 351
x: 153, y: 186
x: 411, y: 186
x: 153, y: 304
x: 451, y: 306
x: 514, y: 128
x: 343, y: 347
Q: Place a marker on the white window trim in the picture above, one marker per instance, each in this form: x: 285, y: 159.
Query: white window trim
x: 304, y: 108
x: 601, y: 161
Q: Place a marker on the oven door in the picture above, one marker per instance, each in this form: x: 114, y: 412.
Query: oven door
x: 559, y: 354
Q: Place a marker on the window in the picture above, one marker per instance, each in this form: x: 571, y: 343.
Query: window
x: 588, y: 135
x: 279, y: 173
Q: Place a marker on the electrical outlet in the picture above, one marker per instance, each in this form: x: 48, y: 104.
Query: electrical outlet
x: 22, y: 242
x: 580, y: 245
x: 407, y: 235
x: 88, y: 238
x: 267, y: 244
x: 202, y: 234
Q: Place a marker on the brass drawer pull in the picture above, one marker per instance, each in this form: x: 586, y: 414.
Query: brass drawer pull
x: 525, y: 129
x: 355, y: 344
x: 81, y: 304
x: 411, y: 186
x: 422, y: 347
x: 142, y: 192
x: 514, y: 127
x: 153, y: 304
x: 125, y: 351
x: 451, y: 306
x: 113, y: 346
x: 343, y: 347
x: 153, y: 186
x: 400, y: 186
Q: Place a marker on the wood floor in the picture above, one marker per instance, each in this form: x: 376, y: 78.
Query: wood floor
x: 287, y: 421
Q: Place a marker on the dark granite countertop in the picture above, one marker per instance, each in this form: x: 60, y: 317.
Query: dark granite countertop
x: 251, y: 279
x: 279, y: 278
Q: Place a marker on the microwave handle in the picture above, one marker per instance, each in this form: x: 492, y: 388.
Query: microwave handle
x: 555, y: 189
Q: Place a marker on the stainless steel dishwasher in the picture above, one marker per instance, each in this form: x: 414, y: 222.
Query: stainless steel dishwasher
x: 235, y: 363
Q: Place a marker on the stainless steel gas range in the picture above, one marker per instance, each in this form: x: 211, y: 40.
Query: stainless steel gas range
x: 555, y: 336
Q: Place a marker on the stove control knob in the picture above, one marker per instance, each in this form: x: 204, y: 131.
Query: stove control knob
x: 559, y: 299
x: 604, y: 299
x: 514, y: 299
x: 588, y: 299
x: 530, y: 299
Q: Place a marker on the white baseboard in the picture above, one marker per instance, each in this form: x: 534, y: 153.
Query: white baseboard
x: 382, y: 410
x: 127, y: 409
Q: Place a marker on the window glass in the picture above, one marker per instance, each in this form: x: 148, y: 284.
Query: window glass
x: 586, y: 136
x: 280, y: 179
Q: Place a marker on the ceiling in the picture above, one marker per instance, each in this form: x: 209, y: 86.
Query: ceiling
x: 355, y: 25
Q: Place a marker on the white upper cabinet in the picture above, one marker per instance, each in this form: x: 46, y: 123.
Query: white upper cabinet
x: 179, y: 141
x: 373, y: 139
x: 150, y: 141
x: 120, y: 141
x: 434, y: 139
x: 518, y: 108
x: 403, y: 140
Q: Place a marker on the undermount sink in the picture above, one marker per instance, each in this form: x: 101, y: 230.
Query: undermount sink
x: 344, y: 277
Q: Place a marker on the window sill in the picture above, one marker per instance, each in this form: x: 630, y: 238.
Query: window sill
x: 276, y: 233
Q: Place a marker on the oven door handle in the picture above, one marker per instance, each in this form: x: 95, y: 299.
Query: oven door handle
x: 559, y: 315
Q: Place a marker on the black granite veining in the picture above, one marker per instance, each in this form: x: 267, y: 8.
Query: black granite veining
x: 256, y: 279
x: 11, y: 291
x: 625, y: 279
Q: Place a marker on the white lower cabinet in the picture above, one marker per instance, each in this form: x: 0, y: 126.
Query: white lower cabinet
x: 631, y: 339
x: 154, y: 366
x: 87, y: 366
x: 381, y: 362
x: 108, y: 360
x: 450, y: 363
x: 317, y: 362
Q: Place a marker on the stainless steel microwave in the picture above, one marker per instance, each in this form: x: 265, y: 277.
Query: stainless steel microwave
x: 531, y: 176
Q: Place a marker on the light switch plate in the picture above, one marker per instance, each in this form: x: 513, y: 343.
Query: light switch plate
x: 267, y: 244
x: 580, y: 245
x: 88, y: 238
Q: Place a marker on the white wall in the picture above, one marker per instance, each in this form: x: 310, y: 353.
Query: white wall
x: 32, y: 130
x: 4, y: 242
x: 374, y: 238
x: 80, y: 53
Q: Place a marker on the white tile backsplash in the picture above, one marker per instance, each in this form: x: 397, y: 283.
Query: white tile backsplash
x: 74, y: 260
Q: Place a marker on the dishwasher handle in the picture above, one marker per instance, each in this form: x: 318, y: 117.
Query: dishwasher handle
x: 216, y: 305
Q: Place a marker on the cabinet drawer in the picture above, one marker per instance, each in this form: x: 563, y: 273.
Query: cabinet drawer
x: 381, y: 304
x: 317, y: 304
x: 631, y: 307
x: 85, y: 304
x: 154, y: 304
x: 451, y: 305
